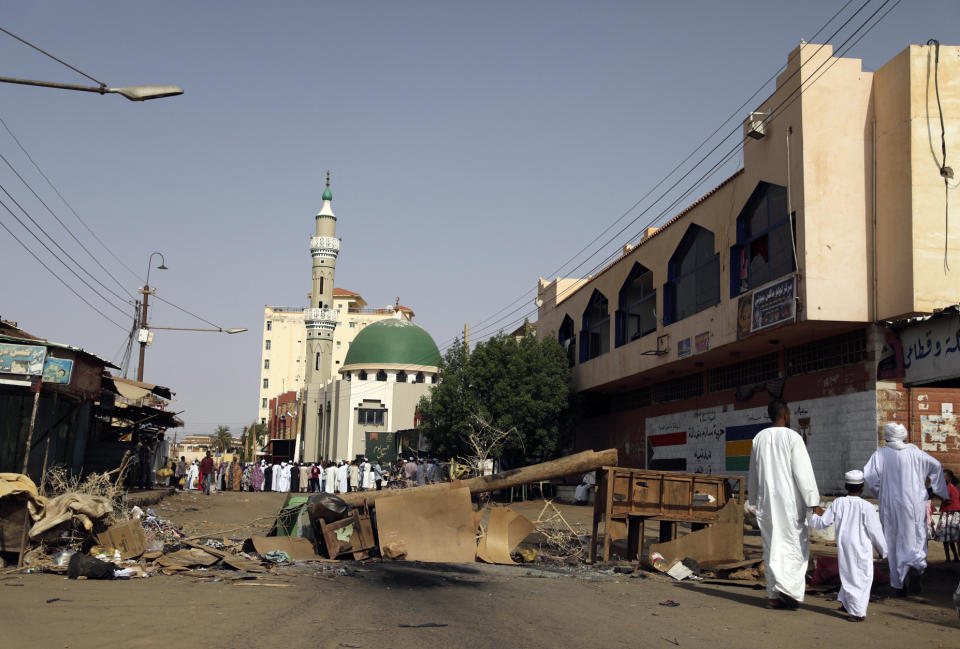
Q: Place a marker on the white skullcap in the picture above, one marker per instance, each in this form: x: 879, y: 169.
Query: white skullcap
x: 853, y: 477
x: 894, y: 432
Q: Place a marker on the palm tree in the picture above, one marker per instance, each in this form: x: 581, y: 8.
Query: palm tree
x: 221, y: 440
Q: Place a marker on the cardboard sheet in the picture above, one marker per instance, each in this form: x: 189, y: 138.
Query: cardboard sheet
x: 505, y: 531
x: 298, y: 548
x: 434, y: 526
x: 186, y: 558
x: 127, y: 537
x: 718, y: 544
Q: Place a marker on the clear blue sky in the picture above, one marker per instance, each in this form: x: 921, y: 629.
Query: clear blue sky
x: 474, y: 147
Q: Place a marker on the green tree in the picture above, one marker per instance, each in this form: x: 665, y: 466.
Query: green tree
x: 221, y: 439
x: 508, y: 384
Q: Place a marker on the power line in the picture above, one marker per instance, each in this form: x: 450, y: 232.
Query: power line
x: 70, y: 207
x: 733, y: 115
x: 42, y: 202
x: 50, y: 270
x: 42, y: 243
x: 180, y: 308
x: 703, y: 159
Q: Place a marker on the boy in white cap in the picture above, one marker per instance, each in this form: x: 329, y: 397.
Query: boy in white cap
x: 858, y: 532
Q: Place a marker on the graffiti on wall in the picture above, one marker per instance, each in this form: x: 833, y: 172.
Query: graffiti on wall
x: 840, y: 433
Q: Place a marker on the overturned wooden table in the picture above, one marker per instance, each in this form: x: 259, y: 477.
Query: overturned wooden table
x: 627, y: 498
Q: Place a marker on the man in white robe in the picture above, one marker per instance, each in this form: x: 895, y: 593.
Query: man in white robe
x: 330, y: 478
x: 342, y: 471
x: 896, y: 474
x: 781, y: 488
x: 858, y: 532
x: 275, y: 478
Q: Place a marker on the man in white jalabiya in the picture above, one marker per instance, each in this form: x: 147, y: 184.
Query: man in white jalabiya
x: 896, y: 474
x: 858, y: 532
x: 781, y: 489
x: 342, y: 471
x: 330, y: 478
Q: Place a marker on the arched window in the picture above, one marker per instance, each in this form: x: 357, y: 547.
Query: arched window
x: 401, y: 377
x: 693, y: 276
x: 318, y: 361
x: 568, y: 339
x: 764, y: 248
x: 419, y: 378
x: 363, y: 375
x: 637, y: 315
x: 381, y: 376
x: 595, y: 335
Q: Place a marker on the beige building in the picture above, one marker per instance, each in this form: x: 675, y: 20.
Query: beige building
x: 776, y: 282
x: 283, y: 348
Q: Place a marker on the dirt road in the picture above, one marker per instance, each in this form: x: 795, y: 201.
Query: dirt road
x: 381, y: 605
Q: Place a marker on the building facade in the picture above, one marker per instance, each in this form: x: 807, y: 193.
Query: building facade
x: 781, y: 280
x: 283, y: 347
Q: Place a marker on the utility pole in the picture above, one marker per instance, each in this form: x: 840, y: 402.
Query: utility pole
x: 144, y: 334
x: 466, y: 337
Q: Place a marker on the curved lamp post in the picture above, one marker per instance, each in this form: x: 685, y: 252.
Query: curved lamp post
x: 144, y: 334
x: 133, y: 93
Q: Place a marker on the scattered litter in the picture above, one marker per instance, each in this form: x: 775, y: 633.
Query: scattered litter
x: 277, y: 556
x: 83, y: 566
x: 351, y: 646
x: 57, y: 599
x: 679, y: 571
x: 670, y: 603
x: 425, y: 625
x: 62, y: 559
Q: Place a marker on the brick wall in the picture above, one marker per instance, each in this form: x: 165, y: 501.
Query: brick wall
x: 932, y: 415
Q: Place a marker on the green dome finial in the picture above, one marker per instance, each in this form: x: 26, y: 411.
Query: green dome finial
x: 327, y: 194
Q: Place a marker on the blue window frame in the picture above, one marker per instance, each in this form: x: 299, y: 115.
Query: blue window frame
x: 693, y: 276
x: 637, y: 315
x: 595, y: 335
x: 764, y: 248
x: 568, y: 339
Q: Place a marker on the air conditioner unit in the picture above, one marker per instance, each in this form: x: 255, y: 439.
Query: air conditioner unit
x: 757, y: 125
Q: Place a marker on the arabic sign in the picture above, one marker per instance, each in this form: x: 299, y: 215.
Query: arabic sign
x: 22, y: 359
x: 773, y: 304
x: 931, y: 350
x: 57, y: 370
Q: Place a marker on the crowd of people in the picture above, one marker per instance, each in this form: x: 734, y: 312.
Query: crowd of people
x: 782, y: 491
x: 209, y: 476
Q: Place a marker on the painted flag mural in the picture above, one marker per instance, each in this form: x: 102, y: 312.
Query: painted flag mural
x: 667, y: 451
x: 739, y: 444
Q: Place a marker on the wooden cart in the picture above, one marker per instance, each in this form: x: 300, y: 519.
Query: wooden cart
x: 629, y: 497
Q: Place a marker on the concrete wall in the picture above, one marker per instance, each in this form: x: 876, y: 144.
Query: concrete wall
x: 911, y: 215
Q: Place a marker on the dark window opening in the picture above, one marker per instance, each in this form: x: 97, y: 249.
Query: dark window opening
x: 637, y: 315
x: 755, y: 370
x: 363, y: 375
x: 693, y: 276
x: 764, y: 248
x: 568, y: 340
x: 844, y: 349
x: 595, y: 335
x: 401, y: 377
x: 419, y: 378
x: 685, y: 387
x: 370, y: 416
x: 381, y: 376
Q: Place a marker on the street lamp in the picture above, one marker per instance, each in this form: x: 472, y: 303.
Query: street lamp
x: 133, y: 93
x: 217, y: 330
x: 144, y: 334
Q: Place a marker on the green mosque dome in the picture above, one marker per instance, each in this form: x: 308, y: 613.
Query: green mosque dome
x: 327, y: 194
x: 392, y: 341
